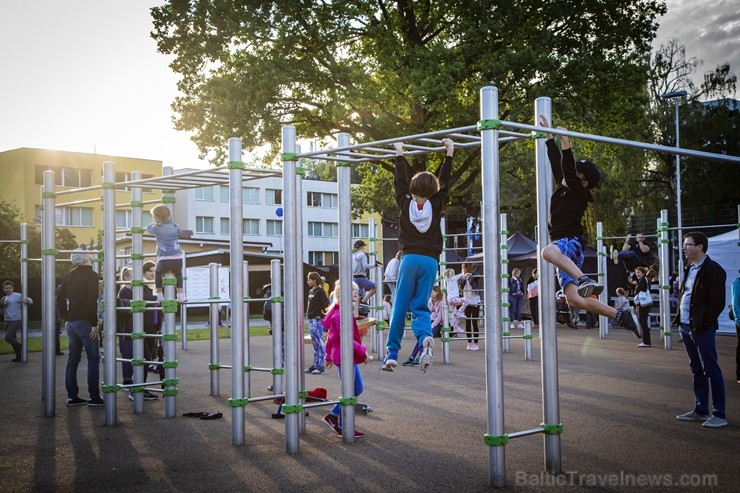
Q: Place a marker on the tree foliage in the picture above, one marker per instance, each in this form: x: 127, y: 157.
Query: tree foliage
x: 381, y: 69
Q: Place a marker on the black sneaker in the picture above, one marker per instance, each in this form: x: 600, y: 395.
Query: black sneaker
x: 317, y: 370
x: 148, y: 396
x: 627, y: 319
x: 588, y: 287
x: 310, y: 369
x: 76, y: 401
x: 95, y: 402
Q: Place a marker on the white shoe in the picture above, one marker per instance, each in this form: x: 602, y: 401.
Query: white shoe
x: 469, y: 347
x: 511, y: 325
x: 615, y: 255
x: 425, y: 360
x: 474, y: 347
x: 458, y: 330
x: 520, y: 326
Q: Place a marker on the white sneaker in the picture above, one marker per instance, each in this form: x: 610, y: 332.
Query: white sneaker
x: 458, y: 330
x: 511, y: 325
x: 520, y: 326
x: 425, y: 360
x: 469, y: 347
x: 474, y: 347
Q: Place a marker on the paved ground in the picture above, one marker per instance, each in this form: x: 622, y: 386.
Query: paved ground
x: 618, y: 407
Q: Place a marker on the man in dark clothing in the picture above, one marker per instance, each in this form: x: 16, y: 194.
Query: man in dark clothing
x: 567, y: 206
x: 77, y: 301
x: 702, y: 300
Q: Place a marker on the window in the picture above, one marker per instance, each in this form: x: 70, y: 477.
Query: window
x: 204, y: 194
x: 323, y: 258
x: 250, y: 195
x: 325, y: 200
x: 124, y: 219
x: 225, y: 226
x: 274, y: 228
x: 251, y: 227
x: 273, y: 196
x: 74, y: 216
x: 323, y: 229
x: 204, y: 225
x: 360, y: 230
x: 65, y: 177
x: 224, y: 194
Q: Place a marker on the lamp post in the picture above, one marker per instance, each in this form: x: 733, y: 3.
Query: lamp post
x: 677, y: 95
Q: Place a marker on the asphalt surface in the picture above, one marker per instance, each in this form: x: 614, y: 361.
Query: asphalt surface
x: 617, y: 404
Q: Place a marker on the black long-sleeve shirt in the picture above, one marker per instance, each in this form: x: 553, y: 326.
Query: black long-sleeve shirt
x: 317, y: 303
x: 80, y: 289
x: 411, y: 239
x: 570, y: 199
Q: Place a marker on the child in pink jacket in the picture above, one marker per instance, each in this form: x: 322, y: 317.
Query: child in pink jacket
x: 333, y: 357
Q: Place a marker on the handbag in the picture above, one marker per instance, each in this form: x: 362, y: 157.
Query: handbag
x: 644, y: 299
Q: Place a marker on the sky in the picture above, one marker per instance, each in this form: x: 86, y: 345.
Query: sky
x: 85, y: 75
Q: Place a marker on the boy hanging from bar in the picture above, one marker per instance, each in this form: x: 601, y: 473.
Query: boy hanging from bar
x: 568, y: 203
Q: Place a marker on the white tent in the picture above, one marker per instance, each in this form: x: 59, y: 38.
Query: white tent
x: 725, y: 249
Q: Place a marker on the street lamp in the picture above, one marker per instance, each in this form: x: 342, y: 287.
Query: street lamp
x: 677, y: 95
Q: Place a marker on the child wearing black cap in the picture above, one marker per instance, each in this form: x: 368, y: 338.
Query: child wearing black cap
x: 568, y: 203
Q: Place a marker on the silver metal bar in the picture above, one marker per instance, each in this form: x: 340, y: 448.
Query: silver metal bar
x: 213, y: 312
x: 48, y: 305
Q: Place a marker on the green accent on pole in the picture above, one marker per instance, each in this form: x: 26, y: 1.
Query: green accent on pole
x: 136, y: 203
x: 495, y: 440
x: 278, y: 371
x: 601, y: 254
x: 303, y: 394
x: 289, y: 156
x: 446, y: 339
x: 600, y: 274
x: 137, y: 362
x: 340, y: 164
x: 49, y: 251
x: 277, y: 299
x: 443, y: 263
x: 48, y: 195
x: 170, y: 381
x: 381, y: 325
x: 214, y: 366
x: 504, y: 231
x: 300, y: 171
x: 24, y: 242
x: 166, y: 199
x: 664, y: 286
x: 528, y: 336
x: 109, y: 389
x: 135, y: 390
x: 235, y: 165
x: 170, y: 392
x: 107, y: 185
x: 238, y: 402
x: 552, y: 429
x: 348, y: 401
x: 292, y: 409
x: 137, y: 230
x: 170, y: 306
x: 138, y: 306
x: 214, y: 297
x: 248, y: 368
x: 599, y: 238
x: 169, y: 281
x: 537, y: 135
x: 137, y: 282
x: 506, y: 334
x: 504, y: 261
x: 169, y: 364
x: 491, y: 124
x: 25, y: 259
x: 169, y: 337
x: 667, y: 333
x: 137, y: 335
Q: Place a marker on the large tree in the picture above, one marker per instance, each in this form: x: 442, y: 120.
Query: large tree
x: 381, y: 69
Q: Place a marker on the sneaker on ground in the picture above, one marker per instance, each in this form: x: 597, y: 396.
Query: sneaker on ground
x: 131, y: 396
x: 148, y: 396
x: 318, y: 370
x: 415, y: 362
x: 390, y: 362
x: 474, y: 347
x: 642, y: 344
x: 714, y: 422
x: 332, y: 422
x: 408, y: 361
x: 425, y: 360
x: 95, y: 402
x: 692, y: 416
x: 76, y: 401
x: 587, y: 287
x: 520, y: 326
x: 511, y: 326
x: 310, y: 369
x: 627, y: 318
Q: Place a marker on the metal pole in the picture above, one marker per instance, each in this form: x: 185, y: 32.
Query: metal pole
x: 345, y: 296
x: 297, y: 289
x: 664, y: 274
x: 679, y: 210
x: 24, y: 294
x: 48, y: 297
x: 169, y: 339
x: 293, y: 310
x: 548, y: 327
x: 277, y: 327
x: 109, y: 290
x: 213, y: 311
x: 528, y: 340
x: 247, y: 355
x: 601, y: 263
x: 492, y: 307
x: 506, y: 321
x: 137, y: 248
x: 236, y: 227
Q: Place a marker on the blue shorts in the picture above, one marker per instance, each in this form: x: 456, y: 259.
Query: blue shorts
x: 571, y: 248
x: 364, y: 283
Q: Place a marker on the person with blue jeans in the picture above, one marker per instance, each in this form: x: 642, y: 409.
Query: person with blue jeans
x: 702, y: 300
x: 420, y: 202
x: 12, y: 305
x: 317, y: 303
x: 77, y: 301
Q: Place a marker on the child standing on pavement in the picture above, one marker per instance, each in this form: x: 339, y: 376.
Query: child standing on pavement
x: 334, y: 357
x: 456, y: 303
x: 169, y: 254
x: 420, y: 201
x: 317, y: 303
x: 568, y: 203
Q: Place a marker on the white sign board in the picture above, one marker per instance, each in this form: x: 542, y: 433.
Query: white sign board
x: 198, y: 285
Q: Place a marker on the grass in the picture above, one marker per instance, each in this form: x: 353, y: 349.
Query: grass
x: 35, y: 343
